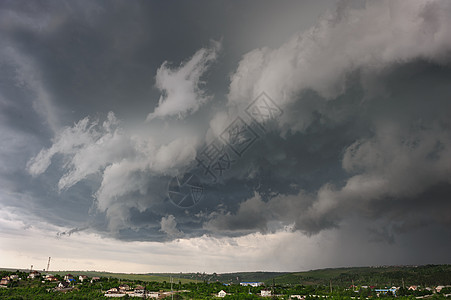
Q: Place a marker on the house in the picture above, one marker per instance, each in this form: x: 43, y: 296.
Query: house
x: 50, y: 278
x: 14, y: 277
x: 265, y: 293
x: 385, y: 291
x: 153, y: 295
x: 254, y: 284
x: 139, y: 289
x: 34, y: 274
x: 93, y: 279
x: 439, y: 288
x: 67, y: 277
x: 222, y: 294
x: 5, y: 280
x: 297, y: 297
x: 112, y: 291
x: 124, y: 287
x: 82, y: 278
x: 63, y: 284
x: 413, y: 288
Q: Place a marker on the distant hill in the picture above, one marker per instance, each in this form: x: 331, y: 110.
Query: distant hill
x: 377, y: 276
x: 234, y: 278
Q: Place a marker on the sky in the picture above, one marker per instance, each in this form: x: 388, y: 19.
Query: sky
x: 223, y: 136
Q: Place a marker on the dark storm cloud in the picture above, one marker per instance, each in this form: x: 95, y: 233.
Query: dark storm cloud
x: 364, y: 138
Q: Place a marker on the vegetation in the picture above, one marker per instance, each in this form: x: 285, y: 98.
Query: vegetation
x: 371, y: 276
x: 330, y: 284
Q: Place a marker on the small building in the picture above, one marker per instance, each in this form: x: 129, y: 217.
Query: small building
x: 50, y: 278
x: 124, y: 287
x: 265, y: 293
x: 93, y: 279
x: 5, y: 280
x: 153, y: 295
x: 34, y: 274
x: 63, y: 284
x: 112, y: 291
x: 82, y: 278
x: 68, y: 276
x: 413, y: 288
x: 385, y: 291
x: 14, y: 277
x: 139, y: 289
x: 439, y: 288
x: 253, y: 284
x: 297, y: 297
x: 222, y: 294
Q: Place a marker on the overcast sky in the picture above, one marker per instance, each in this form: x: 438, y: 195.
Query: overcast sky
x: 220, y: 136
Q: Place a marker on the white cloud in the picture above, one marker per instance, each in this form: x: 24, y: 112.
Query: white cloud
x: 124, y: 161
x: 181, y: 89
x: 169, y: 226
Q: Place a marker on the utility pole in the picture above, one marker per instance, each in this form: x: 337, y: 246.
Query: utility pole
x: 172, y: 292
x: 48, y: 265
x: 403, y: 286
x: 330, y: 285
x: 273, y: 283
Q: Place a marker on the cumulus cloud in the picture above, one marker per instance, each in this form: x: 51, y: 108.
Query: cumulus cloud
x: 181, y: 87
x: 365, y: 39
x: 123, y: 161
x: 169, y: 226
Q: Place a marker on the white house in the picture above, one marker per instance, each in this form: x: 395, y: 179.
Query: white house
x: 82, y: 278
x: 153, y: 294
x: 254, y: 284
x: 34, y: 274
x: 265, y: 293
x: 112, y: 291
x: 63, y: 284
x: 222, y: 294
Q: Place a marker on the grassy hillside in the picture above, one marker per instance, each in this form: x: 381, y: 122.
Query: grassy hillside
x: 234, y: 278
x: 393, y: 275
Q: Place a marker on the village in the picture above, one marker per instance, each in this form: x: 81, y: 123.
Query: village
x: 106, y: 287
